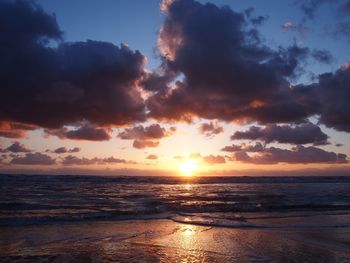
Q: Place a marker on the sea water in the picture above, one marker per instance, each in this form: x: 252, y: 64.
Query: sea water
x: 251, y: 202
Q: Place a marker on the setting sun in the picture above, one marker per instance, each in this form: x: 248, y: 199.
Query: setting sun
x: 188, y: 167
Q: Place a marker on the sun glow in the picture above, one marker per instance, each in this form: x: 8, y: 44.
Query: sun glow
x: 188, y: 167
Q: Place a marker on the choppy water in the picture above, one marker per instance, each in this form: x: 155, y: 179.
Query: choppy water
x: 228, y: 201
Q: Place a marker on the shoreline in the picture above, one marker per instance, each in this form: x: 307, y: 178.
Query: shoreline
x: 157, y: 240
x: 234, y: 220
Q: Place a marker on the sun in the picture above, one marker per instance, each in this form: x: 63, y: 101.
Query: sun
x: 188, y: 167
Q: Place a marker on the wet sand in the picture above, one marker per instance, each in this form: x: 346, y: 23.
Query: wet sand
x: 168, y: 241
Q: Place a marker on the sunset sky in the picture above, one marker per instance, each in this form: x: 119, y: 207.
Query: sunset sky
x: 128, y: 87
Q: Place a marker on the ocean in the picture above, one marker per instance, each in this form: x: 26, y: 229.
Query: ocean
x: 228, y: 201
x: 33, y: 203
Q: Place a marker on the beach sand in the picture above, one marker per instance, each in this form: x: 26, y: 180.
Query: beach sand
x: 168, y: 241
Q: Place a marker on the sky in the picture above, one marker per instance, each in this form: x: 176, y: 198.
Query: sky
x: 175, y: 87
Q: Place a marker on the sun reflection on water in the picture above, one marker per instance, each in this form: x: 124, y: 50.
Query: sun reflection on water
x: 188, y: 186
x: 187, y: 236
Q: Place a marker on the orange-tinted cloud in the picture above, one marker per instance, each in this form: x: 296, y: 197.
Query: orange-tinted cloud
x: 214, y: 159
x: 152, y: 157
x: 141, y: 144
x: 14, y: 130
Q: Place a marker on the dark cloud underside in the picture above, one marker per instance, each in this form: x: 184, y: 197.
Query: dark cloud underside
x: 53, y: 86
x: 301, y: 134
x: 296, y: 155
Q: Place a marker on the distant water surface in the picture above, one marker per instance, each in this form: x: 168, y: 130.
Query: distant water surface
x: 256, y: 202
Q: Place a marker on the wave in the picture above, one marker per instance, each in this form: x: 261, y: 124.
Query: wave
x: 228, y: 220
x: 176, y: 179
x: 231, y: 201
x: 32, y: 220
x: 241, y: 222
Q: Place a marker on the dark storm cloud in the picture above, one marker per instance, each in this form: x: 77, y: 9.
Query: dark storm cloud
x: 210, y: 128
x: 86, y: 132
x: 227, y: 72
x: 34, y: 159
x: 334, y: 93
x: 17, y: 147
x: 38, y: 25
x: 214, y: 65
x: 301, y: 134
x: 146, y: 136
x: 154, y: 81
x: 52, y: 86
x: 296, y: 155
x: 61, y: 150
